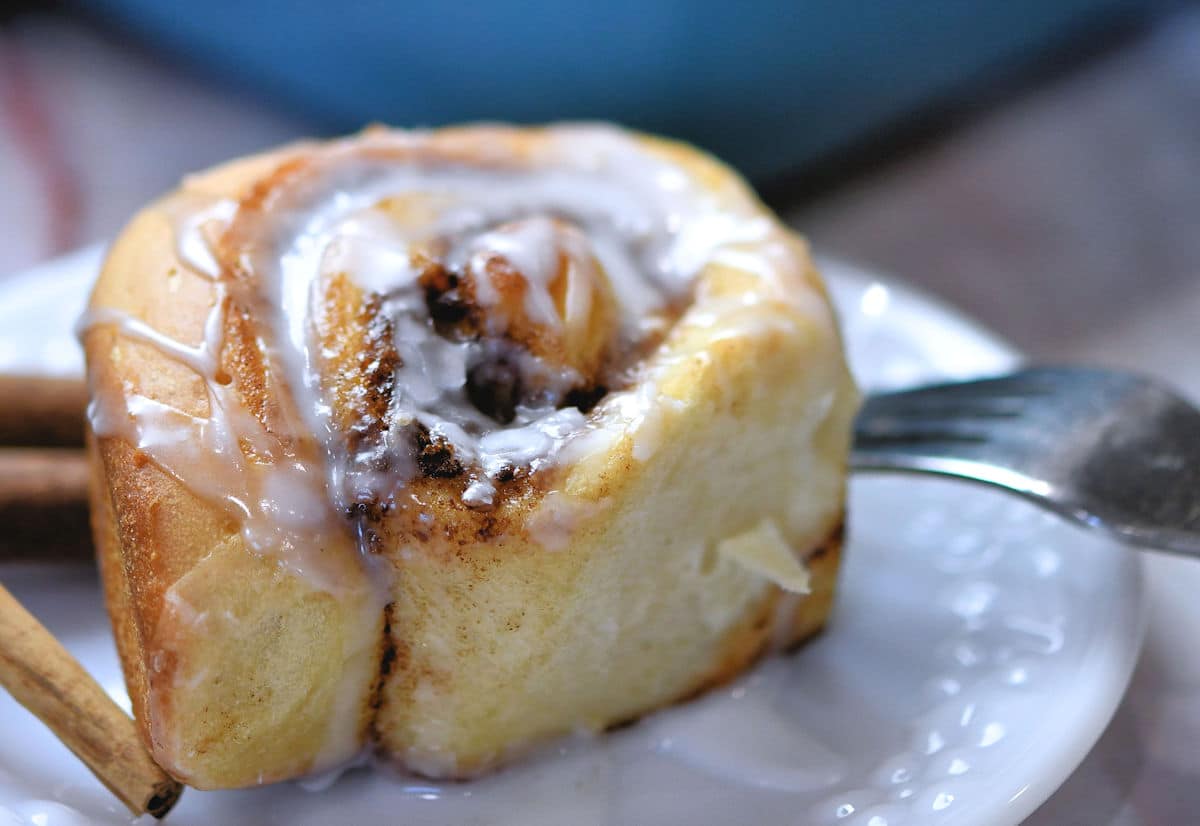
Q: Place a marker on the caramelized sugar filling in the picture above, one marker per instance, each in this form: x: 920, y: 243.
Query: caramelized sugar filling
x: 407, y: 318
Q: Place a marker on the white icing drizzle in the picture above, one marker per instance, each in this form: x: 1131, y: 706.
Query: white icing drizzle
x: 533, y: 248
x: 594, y: 197
x: 622, y: 225
x: 278, y: 500
x: 198, y: 222
x: 592, y: 203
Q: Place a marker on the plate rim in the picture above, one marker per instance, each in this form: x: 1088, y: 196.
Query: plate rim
x: 1094, y: 717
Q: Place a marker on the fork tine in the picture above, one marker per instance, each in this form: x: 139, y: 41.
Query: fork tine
x: 1024, y: 384
x: 947, y: 419
x: 920, y: 452
x: 1102, y: 448
x: 945, y: 406
x: 880, y: 426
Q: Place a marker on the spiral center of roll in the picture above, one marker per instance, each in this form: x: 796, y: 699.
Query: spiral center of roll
x: 406, y: 319
x: 497, y: 340
x: 535, y: 303
x: 460, y: 318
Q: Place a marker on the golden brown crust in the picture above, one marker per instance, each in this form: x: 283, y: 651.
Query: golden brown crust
x: 159, y: 542
x: 165, y: 551
x: 116, y: 590
x: 765, y: 628
x: 779, y: 621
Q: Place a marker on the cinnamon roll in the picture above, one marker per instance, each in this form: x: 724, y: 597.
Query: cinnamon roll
x: 441, y: 444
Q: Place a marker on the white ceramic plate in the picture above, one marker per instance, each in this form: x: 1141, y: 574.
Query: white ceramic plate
x: 977, y: 651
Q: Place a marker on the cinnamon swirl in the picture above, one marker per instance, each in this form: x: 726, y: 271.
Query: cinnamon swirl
x: 445, y: 443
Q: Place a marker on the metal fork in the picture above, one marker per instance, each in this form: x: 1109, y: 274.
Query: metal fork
x: 1108, y: 450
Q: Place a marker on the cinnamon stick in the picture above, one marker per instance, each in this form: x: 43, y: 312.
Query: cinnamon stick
x: 43, y: 504
x: 42, y: 676
x: 42, y: 411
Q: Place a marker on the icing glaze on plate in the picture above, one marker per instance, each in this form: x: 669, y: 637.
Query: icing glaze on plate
x: 976, y: 652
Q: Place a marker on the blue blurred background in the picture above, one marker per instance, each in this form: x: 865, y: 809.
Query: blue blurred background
x: 769, y: 85
x: 1036, y: 162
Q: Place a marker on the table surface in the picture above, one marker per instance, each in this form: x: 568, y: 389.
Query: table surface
x: 1064, y: 217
